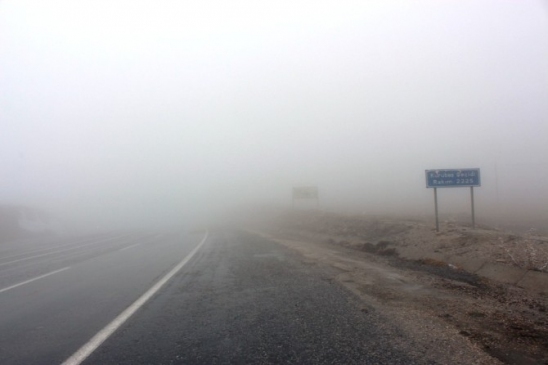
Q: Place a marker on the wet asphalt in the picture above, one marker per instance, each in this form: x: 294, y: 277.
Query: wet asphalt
x: 241, y: 299
x: 91, y: 279
x: 246, y: 300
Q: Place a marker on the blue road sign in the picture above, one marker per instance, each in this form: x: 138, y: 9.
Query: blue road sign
x: 453, y: 178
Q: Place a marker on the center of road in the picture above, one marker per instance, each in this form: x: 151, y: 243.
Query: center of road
x: 83, y: 353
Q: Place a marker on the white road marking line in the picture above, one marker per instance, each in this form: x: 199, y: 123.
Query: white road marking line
x: 33, y: 279
x: 85, y: 242
x: 62, y: 255
x: 66, y: 255
x: 52, y: 253
x: 130, y: 246
x: 83, y: 353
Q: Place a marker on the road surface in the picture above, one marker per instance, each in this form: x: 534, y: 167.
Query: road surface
x: 179, y: 298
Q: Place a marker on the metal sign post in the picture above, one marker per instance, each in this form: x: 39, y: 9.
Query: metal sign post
x: 453, y: 178
x: 472, y: 203
x: 436, y: 209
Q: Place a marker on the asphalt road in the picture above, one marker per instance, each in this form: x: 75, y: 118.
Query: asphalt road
x: 239, y: 299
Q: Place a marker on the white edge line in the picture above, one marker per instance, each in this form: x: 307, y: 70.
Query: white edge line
x: 83, y: 353
x: 33, y: 279
x: 130, y: 246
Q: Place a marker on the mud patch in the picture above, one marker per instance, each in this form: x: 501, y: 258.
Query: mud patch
x: 441, y: 269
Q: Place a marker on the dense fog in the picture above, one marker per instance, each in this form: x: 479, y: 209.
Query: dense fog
x: 144, y: 113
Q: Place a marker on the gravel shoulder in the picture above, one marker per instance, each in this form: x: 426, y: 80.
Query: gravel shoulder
x: 454, y: 315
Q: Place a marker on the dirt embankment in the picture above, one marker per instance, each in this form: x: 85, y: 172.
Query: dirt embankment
x: 501, y: 256
x: 487, y: 287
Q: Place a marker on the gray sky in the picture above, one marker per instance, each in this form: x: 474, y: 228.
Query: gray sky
x: 159, y: 109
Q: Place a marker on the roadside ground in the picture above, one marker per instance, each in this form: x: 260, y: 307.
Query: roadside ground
x: 416, y: 277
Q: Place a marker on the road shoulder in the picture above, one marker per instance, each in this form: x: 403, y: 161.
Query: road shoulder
x: 459, y: 317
